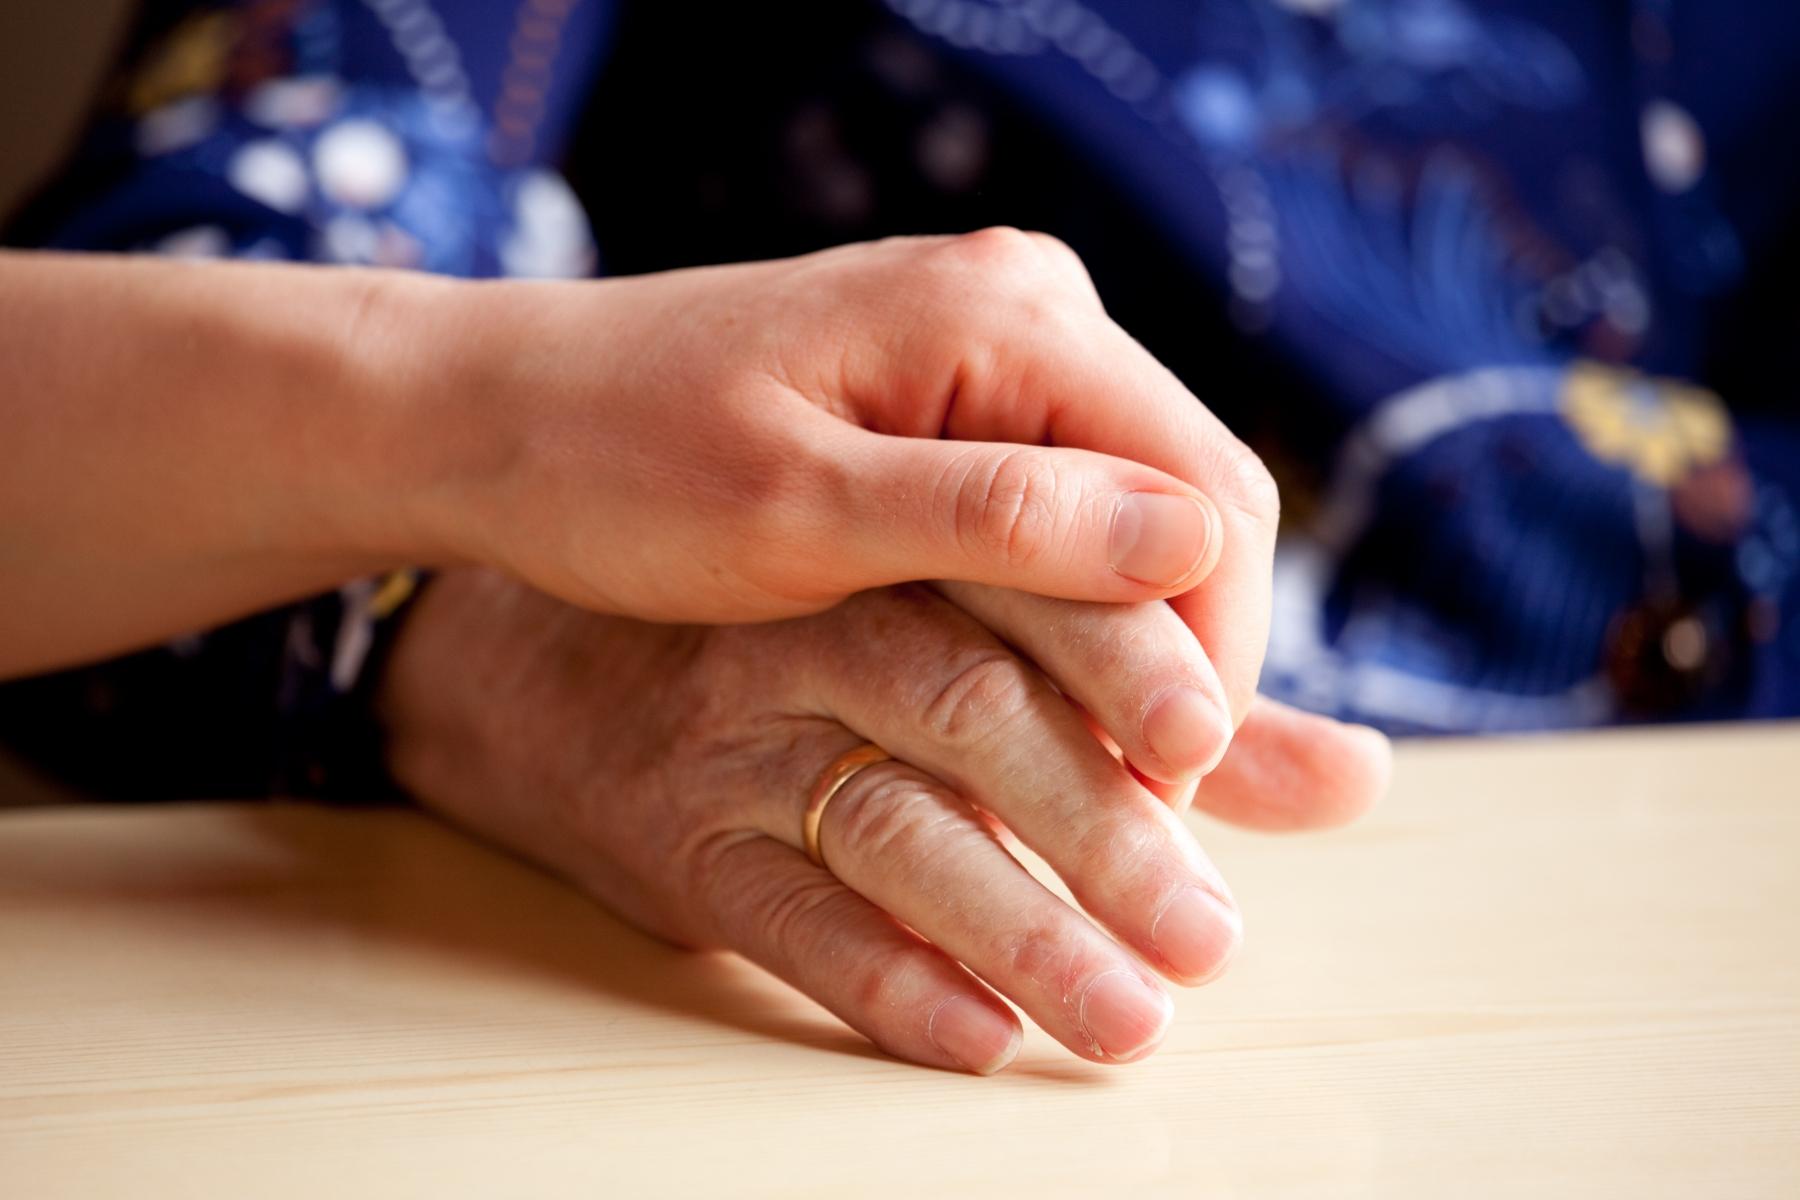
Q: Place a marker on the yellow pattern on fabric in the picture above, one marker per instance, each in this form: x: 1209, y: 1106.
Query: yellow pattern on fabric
x: 1660, y: 430
x: 190, y: 60
x: 394, y: 591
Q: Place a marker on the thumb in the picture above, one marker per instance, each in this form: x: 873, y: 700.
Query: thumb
x: 1073, y: 524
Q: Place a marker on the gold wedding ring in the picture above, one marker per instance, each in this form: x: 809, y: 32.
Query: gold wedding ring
x: 842, y: 769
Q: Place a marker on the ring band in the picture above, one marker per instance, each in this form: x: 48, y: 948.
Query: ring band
x: 840, y: 772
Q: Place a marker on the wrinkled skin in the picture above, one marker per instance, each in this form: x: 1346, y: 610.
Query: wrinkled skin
x: 664, y: 770
x: 761, y: 440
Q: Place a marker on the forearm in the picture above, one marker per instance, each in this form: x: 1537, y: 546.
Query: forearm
x: 185, y: 443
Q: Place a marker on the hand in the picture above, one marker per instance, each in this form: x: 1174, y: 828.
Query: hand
x: 665, y: 769
x: 726, y: 444
x: 760, y: 441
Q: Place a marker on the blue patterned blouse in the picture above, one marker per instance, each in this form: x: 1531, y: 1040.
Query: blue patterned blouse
x: 1507, y: 293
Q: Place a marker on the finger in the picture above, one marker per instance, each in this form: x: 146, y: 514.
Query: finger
x: 1142, y: 412
x: 1025, y: 353
x: 1178, y: 796
x: 1136, y: 669
x: 783, y: 913
x: 905, y: 841
x: 1068, y: 523
x: 1289, y: 769
x: 939, y: 691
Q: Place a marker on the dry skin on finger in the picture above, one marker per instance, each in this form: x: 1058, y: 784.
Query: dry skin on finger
x: 883, y: 980
x: 941, y: 692
x: 1135, y: 669
x: 919, y: 851
x: 686, y: 816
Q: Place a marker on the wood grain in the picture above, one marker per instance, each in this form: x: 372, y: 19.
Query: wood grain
x: 1549, y: 967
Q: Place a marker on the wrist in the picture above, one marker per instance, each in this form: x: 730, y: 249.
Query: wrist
x: 407, y: 365
x: 480, y: 391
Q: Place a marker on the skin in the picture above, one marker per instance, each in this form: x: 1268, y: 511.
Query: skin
x: 664, y: 770
x: 727, y: 444
x: 772, y: 442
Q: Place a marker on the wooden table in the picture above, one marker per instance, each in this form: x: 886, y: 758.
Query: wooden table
x: 1547, y: 967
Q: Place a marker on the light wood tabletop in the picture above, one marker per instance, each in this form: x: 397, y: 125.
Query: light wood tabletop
x: 1561, y: 966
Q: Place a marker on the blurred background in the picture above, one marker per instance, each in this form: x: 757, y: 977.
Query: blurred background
x: 1540, y: 255
x: 51, y: 57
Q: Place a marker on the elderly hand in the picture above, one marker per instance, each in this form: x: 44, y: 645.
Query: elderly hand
x: 760, y: 441
x: 665, y: 770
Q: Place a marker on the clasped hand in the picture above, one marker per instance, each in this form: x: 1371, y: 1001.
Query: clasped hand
x: 781, y: 441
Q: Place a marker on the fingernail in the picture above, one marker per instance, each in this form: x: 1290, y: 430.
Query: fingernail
x: 1159, y: 539
x: 1123, y: 1015
x: 1197, y: 933
x: 1188, y: 731
x: 973, y: 1034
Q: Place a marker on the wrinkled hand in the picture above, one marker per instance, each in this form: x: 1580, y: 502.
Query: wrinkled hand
x: 665, y: 770
x: 758, y: 441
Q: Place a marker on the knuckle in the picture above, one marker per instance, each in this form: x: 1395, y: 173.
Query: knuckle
x: 998, y: 247
x: 890, y: 820
x: 1130, y: 845
x: 796, y: 917
x: 1008, y: 509
x: 1063, y: 260
x: 1004, y: 263
x: 886, y: 980
x: 1128, y: 651
x: 724, y: 888
x: 991, y: 292
x: 1049, y: 955
x: 1248, y: 487
x: 981, y: 695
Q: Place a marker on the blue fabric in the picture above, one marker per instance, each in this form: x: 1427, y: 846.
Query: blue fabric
x: 1500, y: 239
x: 1528, y: 263
x: 410, y: 133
